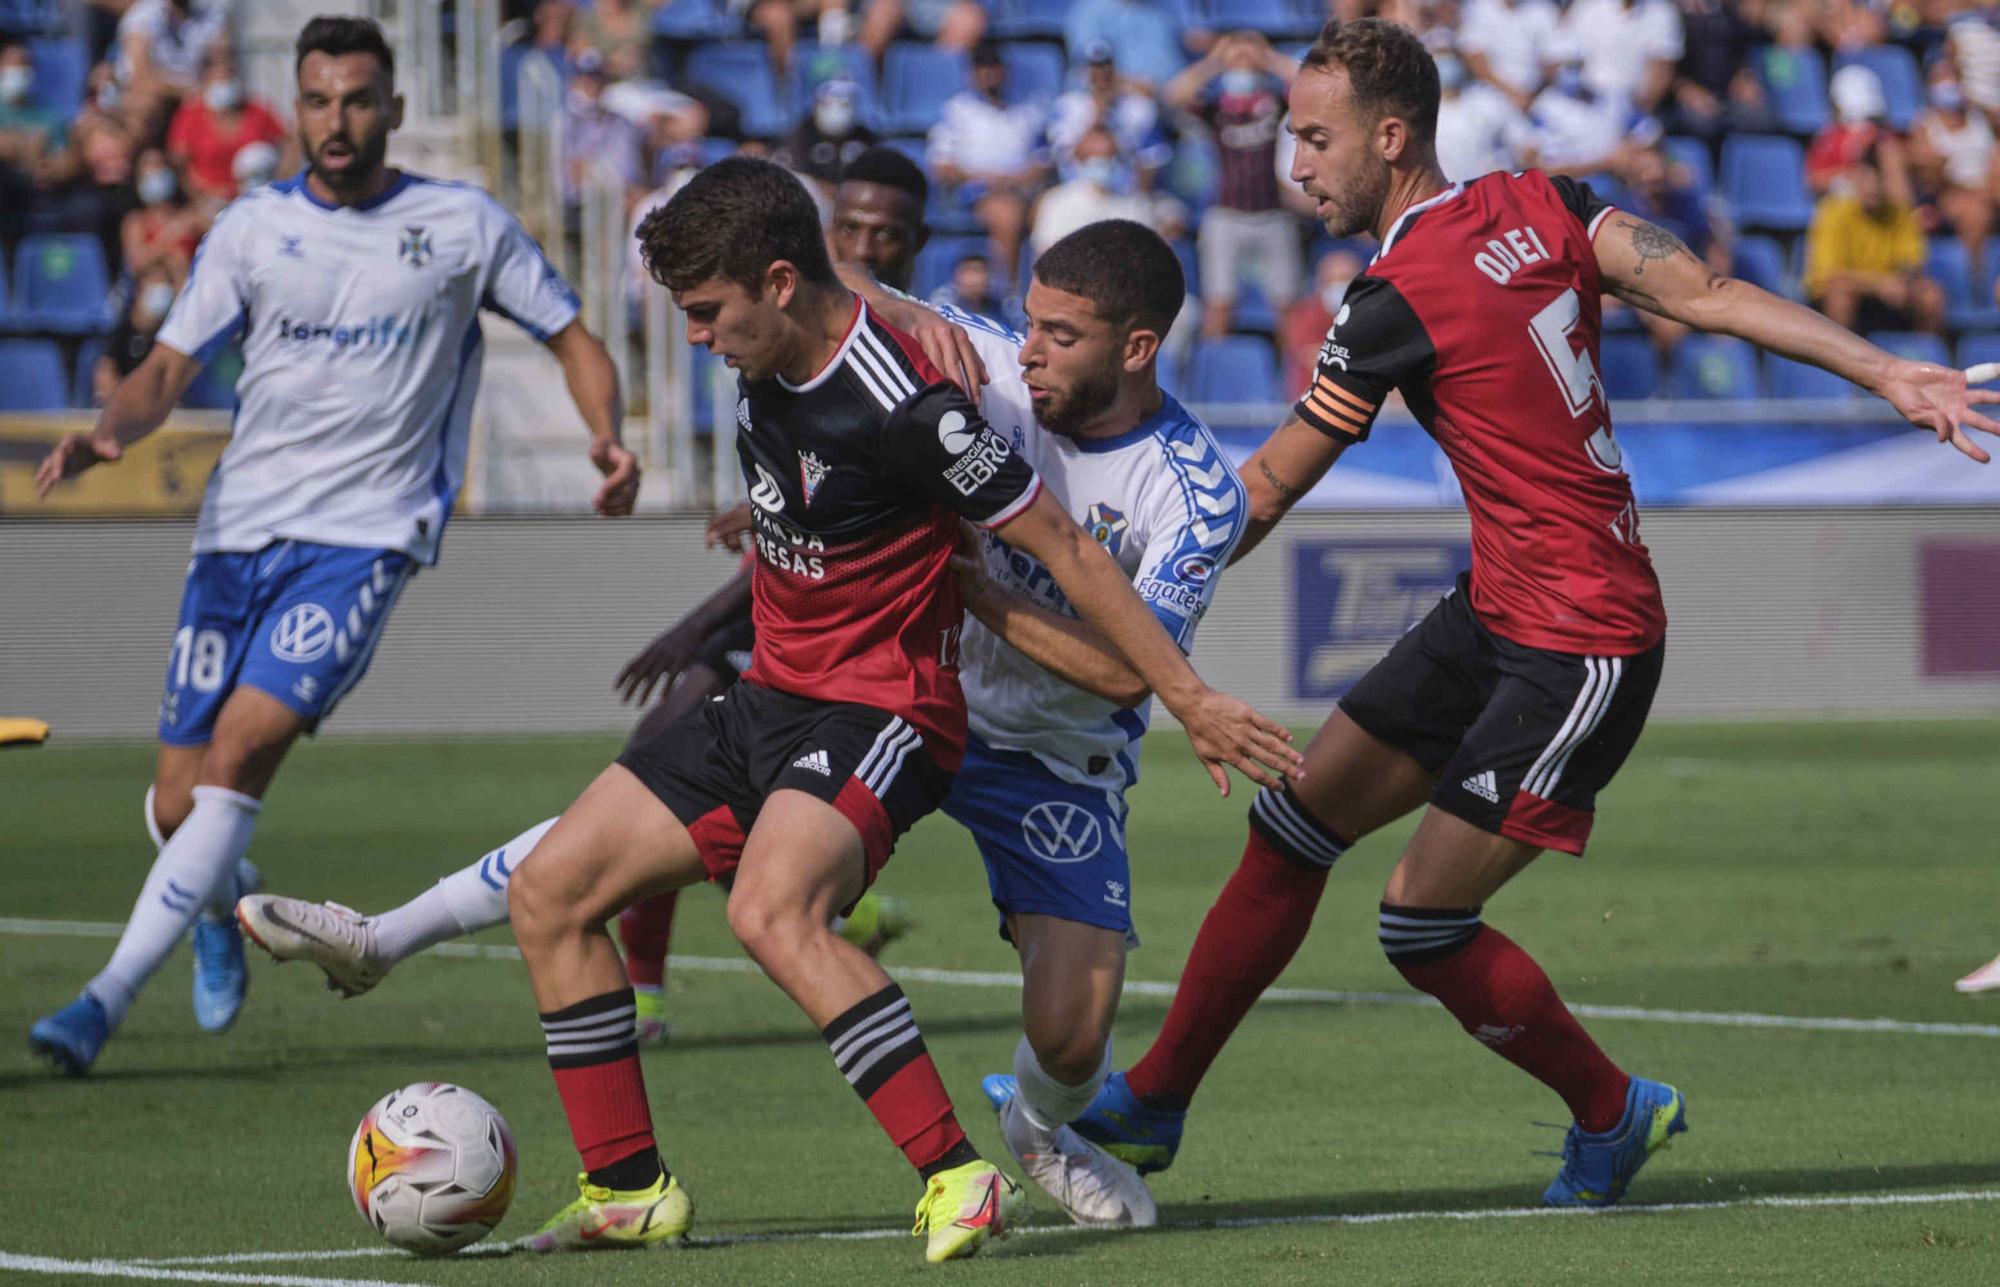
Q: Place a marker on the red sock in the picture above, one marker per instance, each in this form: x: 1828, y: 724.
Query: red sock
x: 882, y: 1055
x: 594, y: 1053
x: 1504, y: 1000
x: 645, y: 928
x: 1245, y: 942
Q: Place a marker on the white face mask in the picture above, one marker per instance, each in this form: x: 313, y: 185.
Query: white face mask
x: 107, y: 97
x: 223, y: 95
x: 14, y: 83
x: 1240, y: 80
x: 157, y: 186
x: 1331, y: 295
x: 834, y: 116
x: 1099, y: 170
x: 157, y: 298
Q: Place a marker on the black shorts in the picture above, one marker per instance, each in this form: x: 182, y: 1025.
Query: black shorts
x: 716, y: 765
x: 1521, y: 739
x: 726, y: 649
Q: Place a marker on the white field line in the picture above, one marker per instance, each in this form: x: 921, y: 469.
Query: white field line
x: 11, y: 1263
x: 1146, y: 988
x: 1778, y: 1203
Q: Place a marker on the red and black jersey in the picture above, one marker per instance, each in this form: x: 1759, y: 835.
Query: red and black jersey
x: 857, y: 481
x: 1483, y: 308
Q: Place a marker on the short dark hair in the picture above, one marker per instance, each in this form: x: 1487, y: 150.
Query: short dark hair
x: 336, y: 36
x: 1389, y: 71
x: 890, y: 169
x: 1124, y: 268
x: 733, y: 220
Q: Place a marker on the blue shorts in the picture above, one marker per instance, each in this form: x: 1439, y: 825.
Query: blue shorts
x: 1050, y: 847
x: 295, y: 620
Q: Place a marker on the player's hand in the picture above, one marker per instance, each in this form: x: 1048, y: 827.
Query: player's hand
x: 968, y: 562
x: 70, y: 457
x: 620, y: 468
x: 728, y: 529
x: 950, y: 350
x: 1225, y: 730
x: 1941, y: 398
x: 661, y: 662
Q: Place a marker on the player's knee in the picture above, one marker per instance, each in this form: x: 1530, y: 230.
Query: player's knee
x: 765, y: 926
x: 1071, y: 1055
x: 1281, y: 821
x: 540, y: 903
x: 240, y: 763
x: 1412, y: 937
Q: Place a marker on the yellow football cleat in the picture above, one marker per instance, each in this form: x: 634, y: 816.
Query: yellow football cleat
x: 651, y: 1004
x: 963, y: 1207
x: 602, y: 1219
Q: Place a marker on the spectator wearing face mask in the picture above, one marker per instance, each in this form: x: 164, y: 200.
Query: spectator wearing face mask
x: 1478, y: 130
x: 1101, y: 190
x: 31, y: 136
x: 1237, y: 90
x: 1121, y: 106
x: 212, y: 126
x: 991, y: 155
x: 131, y: 339
x: 1575, y: 130
x: 161, y: 44
x: 1859, y: 126
x: 830, y: 136
x: 593, y: 136
x: 1865, y: 255
x: 1309, y: 319
x: 1951, y: 160
x: 163, y: 232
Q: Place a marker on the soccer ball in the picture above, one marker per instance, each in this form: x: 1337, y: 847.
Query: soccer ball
x: 432, y: 1167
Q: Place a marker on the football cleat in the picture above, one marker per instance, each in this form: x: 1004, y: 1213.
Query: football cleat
x: 1596, y: 1168
x: 876, y: 921
x: 604, y: 1219
x: 1091, y: 1186
x: 963, y: 1207
x: 71, y: 1037
x: 339, y: 940
x: 1984, y: 979
x: 1129, y: 1129
x: 654, y: 1030
x: 220, y: 977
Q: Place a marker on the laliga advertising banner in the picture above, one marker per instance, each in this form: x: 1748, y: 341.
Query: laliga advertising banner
x: 1352, y: 599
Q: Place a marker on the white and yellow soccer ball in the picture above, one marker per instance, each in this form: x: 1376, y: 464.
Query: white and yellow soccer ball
x: 432, y: 1167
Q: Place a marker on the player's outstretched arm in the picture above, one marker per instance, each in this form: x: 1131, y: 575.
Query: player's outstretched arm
x: 1073, y: 651
x: 1222, y: 729
x: 1650, y: 268
x: 136, y: 407
x: 593, y: 385
x: 1285, y: 468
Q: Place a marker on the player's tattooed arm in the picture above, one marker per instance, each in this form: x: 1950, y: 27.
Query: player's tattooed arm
x: 1285, y: 468
x: 1650, y: 268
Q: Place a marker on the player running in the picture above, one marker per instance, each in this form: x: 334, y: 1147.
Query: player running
x: 1513, y: 703
x: 356, y: 289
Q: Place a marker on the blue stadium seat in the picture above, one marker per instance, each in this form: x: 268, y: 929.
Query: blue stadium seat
x: 1710, y: 367
x: 1279, y: 19
x: 740, y: 70
x: 916, y: 81
x: 1235, y: 368
x: 1914, y: 346
x: 35, y: 377
x: 60, y: 282
x: 1902, y: 81
x: 1787, y: 379
x: 1694, y: 156
x: 1761, y: 262
x: 62, y: 64
x: 1253, y: 312
x: 1979, y: 346
x: 1968, y: 299
x: 1763, y: 179
x: 1029, y: 19
x: 692, y: 20
x: 1629, y: 367
x: 84, y: 381
x: 813, y: 63
x: 938, y: 257
x: 1035, y: 72
x: 1795, y: 86
x: 1184, y: 250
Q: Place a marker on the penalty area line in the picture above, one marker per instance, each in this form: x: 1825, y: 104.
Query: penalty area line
x: 1149, y: 988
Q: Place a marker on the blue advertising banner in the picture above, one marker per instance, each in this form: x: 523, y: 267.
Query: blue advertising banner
x: 1352, y: 599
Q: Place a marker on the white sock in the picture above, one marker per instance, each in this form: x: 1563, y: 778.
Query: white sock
x: 202, y: 854
x: 221, y: 905
x: 1045, y: 1103
x: 471, y: 899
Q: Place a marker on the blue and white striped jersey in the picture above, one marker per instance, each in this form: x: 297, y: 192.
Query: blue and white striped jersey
x: 361, y: 348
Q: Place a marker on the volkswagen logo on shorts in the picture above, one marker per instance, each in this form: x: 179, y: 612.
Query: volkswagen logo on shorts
x: 303, y: 634
x: 1058, y: 831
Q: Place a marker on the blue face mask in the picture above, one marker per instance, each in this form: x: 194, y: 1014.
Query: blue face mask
x: 1241, y: 80
x: 1100, y: 170
x: 1451, y: 73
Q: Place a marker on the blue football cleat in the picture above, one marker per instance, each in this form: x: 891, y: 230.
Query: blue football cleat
x: 1129, y: 1129
x: 72, y: 1036
x: 998, y: 1088
x: 220, y: 977
x: 1596, y: 1168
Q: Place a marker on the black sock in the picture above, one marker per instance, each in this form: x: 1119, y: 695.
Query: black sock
x: 634, y: 1171
x: 957, y: 1155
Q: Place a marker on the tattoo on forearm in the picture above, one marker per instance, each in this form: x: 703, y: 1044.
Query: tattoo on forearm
x: 1653, y: 243
x: 1278, y: 484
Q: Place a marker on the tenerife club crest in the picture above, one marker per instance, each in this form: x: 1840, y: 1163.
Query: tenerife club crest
x: 1107, y: 527
x: 415, y: 247
x: 812, y: 472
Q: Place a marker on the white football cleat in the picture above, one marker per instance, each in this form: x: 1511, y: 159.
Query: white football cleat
x: 339, y: 940
x: 1091, y: 1186
x: 1984, y: 979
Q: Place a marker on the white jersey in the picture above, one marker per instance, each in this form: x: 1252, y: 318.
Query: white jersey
x: 361, y: 347
x: 1166, y: 505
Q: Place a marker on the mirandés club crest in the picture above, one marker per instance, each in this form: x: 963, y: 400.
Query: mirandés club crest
x: 812, y: 472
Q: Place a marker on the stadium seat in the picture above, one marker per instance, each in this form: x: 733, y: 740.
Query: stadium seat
x: 938, y: 257
x: 1902, y: 81
x: 62, y: 64
x: 740, y: 70
x: 513, y: 59
x: 1629, y: 367
x: 692, y: 20
x: 35, y: 378
x: 1253, y: 311
x: 1693, y: 155
x: 1029, y: 19
x: 1184, y: 250
x: 916, y: 81
x: 1761, y: 262
x: 60, y: 282
x: 1709, y: 367
x: 1235, y: 368
x: 1795, y: 86
x: 82, y: 384
x: 1913, y: 346
x: 1784, y: 378
x: 1035, y: 72
x: 1968, y: 299
x: 1279, y: 19
x: 1979, y: 346
x: 1763, y: 179
x: 813, y: 63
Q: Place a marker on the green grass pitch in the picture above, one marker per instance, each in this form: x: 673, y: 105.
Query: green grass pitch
x: 1841, y: 870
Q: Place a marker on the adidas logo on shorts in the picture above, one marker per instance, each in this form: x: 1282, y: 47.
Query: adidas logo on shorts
x: 816, y: 761
x: 1484, y: 785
